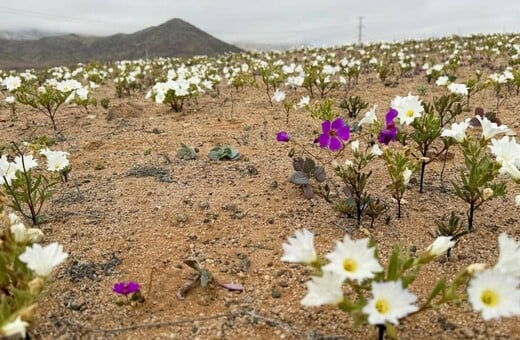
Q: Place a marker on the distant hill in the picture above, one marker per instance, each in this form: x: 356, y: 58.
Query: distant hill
x: 174, y: 38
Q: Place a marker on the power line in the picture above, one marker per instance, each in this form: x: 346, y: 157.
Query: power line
x: 50, y: 16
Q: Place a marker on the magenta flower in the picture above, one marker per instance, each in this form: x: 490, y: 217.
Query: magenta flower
x: 125, y: 288
x: 389, y: 133
x: 282, y: 136
x: 334, y: 134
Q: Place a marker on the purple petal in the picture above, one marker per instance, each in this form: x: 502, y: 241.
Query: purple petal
x: 282, y: 136
x: 387, y: 135
x: 325, y: 126
x: 125, y: 288
x: 324, y: 140
x: 338, y: 124
x: 343, y: 133
x: 335, y: 144
x: 391, y: 115
x: 233, y: 287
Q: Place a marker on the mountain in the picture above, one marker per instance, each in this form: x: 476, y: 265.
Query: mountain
x: 174, y: 38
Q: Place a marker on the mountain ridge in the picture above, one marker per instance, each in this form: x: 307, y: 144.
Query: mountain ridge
x: 173, y: 38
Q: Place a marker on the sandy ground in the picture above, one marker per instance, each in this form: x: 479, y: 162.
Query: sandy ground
x: 133, y: 211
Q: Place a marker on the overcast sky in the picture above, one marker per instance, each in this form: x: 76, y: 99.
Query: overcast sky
x: 319, y: 22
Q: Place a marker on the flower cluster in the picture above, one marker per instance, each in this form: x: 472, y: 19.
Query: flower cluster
x: 494, y: 292
x: 25, y: 266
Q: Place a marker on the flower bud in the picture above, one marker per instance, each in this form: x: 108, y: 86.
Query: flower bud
x: 36, y: 285
x: 440, y: 245
x: 34, y: 235
x: 475, y: 268
x: 487, y: 194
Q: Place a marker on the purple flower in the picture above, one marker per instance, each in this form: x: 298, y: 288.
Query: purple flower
x: 389, y: 133
x: 282, y: 136
x: 334, y: 133
x: 125, y: 288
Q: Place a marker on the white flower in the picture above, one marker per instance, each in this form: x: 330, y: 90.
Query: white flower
x: 66, y: 86
x: 370, y: 117
x: 507, y: 153
x: 509, y: 256
x: 15, y: 328
x: 407, y: 173
x: 25, y: 161
x: 517, y: 199
x: 12, y: 82
x: 278, y: 96
x: 304, y: 101
x: 460, y: 89
x: 389, y: 303
x: 408, y: 107
x: 56, y: 160
x: 440, y: 245
x: 10, y: 99
x: 300, y: 248
x: 353, y: 260
x: 457, y: 131
x: 7, y: 170
x: 489, y: 129
x: 442, y: 81
x: 42, y: 260
x: 376, y: 150
x: 494, y: 294
x: 325, y: 290
x: 354, y: 145
x: 159, y: 97
x: 82, y: 93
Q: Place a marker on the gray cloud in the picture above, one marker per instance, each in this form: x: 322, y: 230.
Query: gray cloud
x: 270, y: 21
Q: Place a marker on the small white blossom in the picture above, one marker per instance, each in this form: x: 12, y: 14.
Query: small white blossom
x: 324, y: 290
x: 460, y: 89
x: 42, y: 260
x: 490, y: 129
x: 408, y: 108
x: 370, y: 116
x: 509, y: 256
x: 278, y: 96
x: 440, y: 245
x: 494, y: 294
x: 353, y: 260
x: 15, y: 328
x: 300, y: 248
x: 389, y: 303
x: 457, y: 131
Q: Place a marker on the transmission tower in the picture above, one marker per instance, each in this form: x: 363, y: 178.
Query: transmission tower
x: 360, y: 30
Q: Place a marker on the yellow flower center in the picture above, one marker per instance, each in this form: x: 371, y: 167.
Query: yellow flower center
x: 350, y: 265
x: 410, y: 113
x: 489, y: 298
x: 382, y: 306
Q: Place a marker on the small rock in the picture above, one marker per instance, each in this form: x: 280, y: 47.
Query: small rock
x: 468, y: 332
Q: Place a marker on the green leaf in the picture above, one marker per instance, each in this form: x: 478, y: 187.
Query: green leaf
x: 440, y: 287
x: 205, y: 277
x: 393, y: 264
